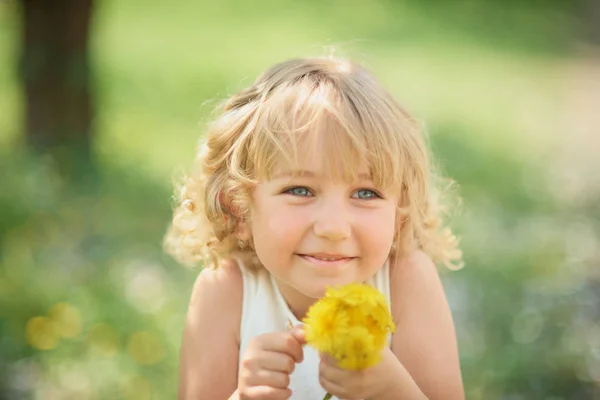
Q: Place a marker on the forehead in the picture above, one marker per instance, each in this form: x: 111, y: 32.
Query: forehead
x: 322, y: 154
x: 328, y: 131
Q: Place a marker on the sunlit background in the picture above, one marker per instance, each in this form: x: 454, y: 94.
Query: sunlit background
x: 509, y: 91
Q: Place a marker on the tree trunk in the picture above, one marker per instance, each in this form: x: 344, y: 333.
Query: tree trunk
x: 592, y: 21
x: 55, y: 73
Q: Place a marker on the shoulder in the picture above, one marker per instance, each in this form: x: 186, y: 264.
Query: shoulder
x: 425, y: 338
x: 416, y: 292
x: 210, y: 342
x: 222, y: 286
x: 223, y: 282
x: 414, y: 275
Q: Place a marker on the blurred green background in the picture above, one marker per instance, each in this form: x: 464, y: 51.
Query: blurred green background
x: 509, y: 91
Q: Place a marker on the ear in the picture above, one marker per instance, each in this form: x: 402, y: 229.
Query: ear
x: 402, y: 213
x: 242, y: 231
x: 227, y: 205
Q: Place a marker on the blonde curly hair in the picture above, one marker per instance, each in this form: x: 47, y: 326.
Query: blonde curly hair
x: 359, y: 120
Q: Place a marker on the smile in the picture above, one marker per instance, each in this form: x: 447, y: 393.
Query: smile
x: 326, y: 259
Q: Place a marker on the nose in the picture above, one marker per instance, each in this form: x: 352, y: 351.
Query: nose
x: 332, y: 221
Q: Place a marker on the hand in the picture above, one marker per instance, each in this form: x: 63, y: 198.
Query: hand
x: 355, y: 385
x: 267, y: 364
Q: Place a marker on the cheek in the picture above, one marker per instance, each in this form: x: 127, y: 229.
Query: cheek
x: 277, y: 228
x: 282, y: 224
x: 378, y: 230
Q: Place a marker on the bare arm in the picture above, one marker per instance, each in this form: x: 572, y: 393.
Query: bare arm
x: 425, y: 339
x: 210, y: 346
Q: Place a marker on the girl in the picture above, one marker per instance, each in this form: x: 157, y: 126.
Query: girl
x: 312, y: 177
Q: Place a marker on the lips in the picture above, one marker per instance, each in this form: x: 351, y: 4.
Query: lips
x: 326, y: 258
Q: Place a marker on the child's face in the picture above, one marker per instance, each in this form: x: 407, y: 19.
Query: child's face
x: 311, y: 232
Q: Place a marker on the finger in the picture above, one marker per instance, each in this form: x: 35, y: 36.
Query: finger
x: 331, y: 387
x: 328, y: 359
x: 265, y: 377
x: 268, y: 393
x: 298, y: 332
x: 340, y: 382
x: 284, y: 342
x: 276, y: 361
x: 331, y: 373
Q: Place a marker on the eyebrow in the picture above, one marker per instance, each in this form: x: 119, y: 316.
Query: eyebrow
x: 362, y: 176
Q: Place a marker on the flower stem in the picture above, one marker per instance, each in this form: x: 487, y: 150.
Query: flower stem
x: 327, y: 396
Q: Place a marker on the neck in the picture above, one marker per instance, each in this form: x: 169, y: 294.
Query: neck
x: 297, y: 302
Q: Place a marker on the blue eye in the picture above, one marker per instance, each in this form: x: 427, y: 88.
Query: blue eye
x: 365, y: 194
x: 299, y: 191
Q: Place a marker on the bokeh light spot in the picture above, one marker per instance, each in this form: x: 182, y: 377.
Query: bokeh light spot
x: 102, y: 339
x: 41, y: 333
x: 527, y: 327
x: 145, y: 348
x: 145, y: 288
x: 136, y: 388
x: 67, y: 319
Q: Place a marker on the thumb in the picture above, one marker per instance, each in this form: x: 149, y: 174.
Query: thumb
x: 298, y: 333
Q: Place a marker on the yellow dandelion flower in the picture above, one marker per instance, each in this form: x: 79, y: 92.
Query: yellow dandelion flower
x: 351, y: 324
x: 325, y: 323
x: 358, y: 350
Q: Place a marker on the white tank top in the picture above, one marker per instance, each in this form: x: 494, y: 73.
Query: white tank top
x: 264, y: 310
